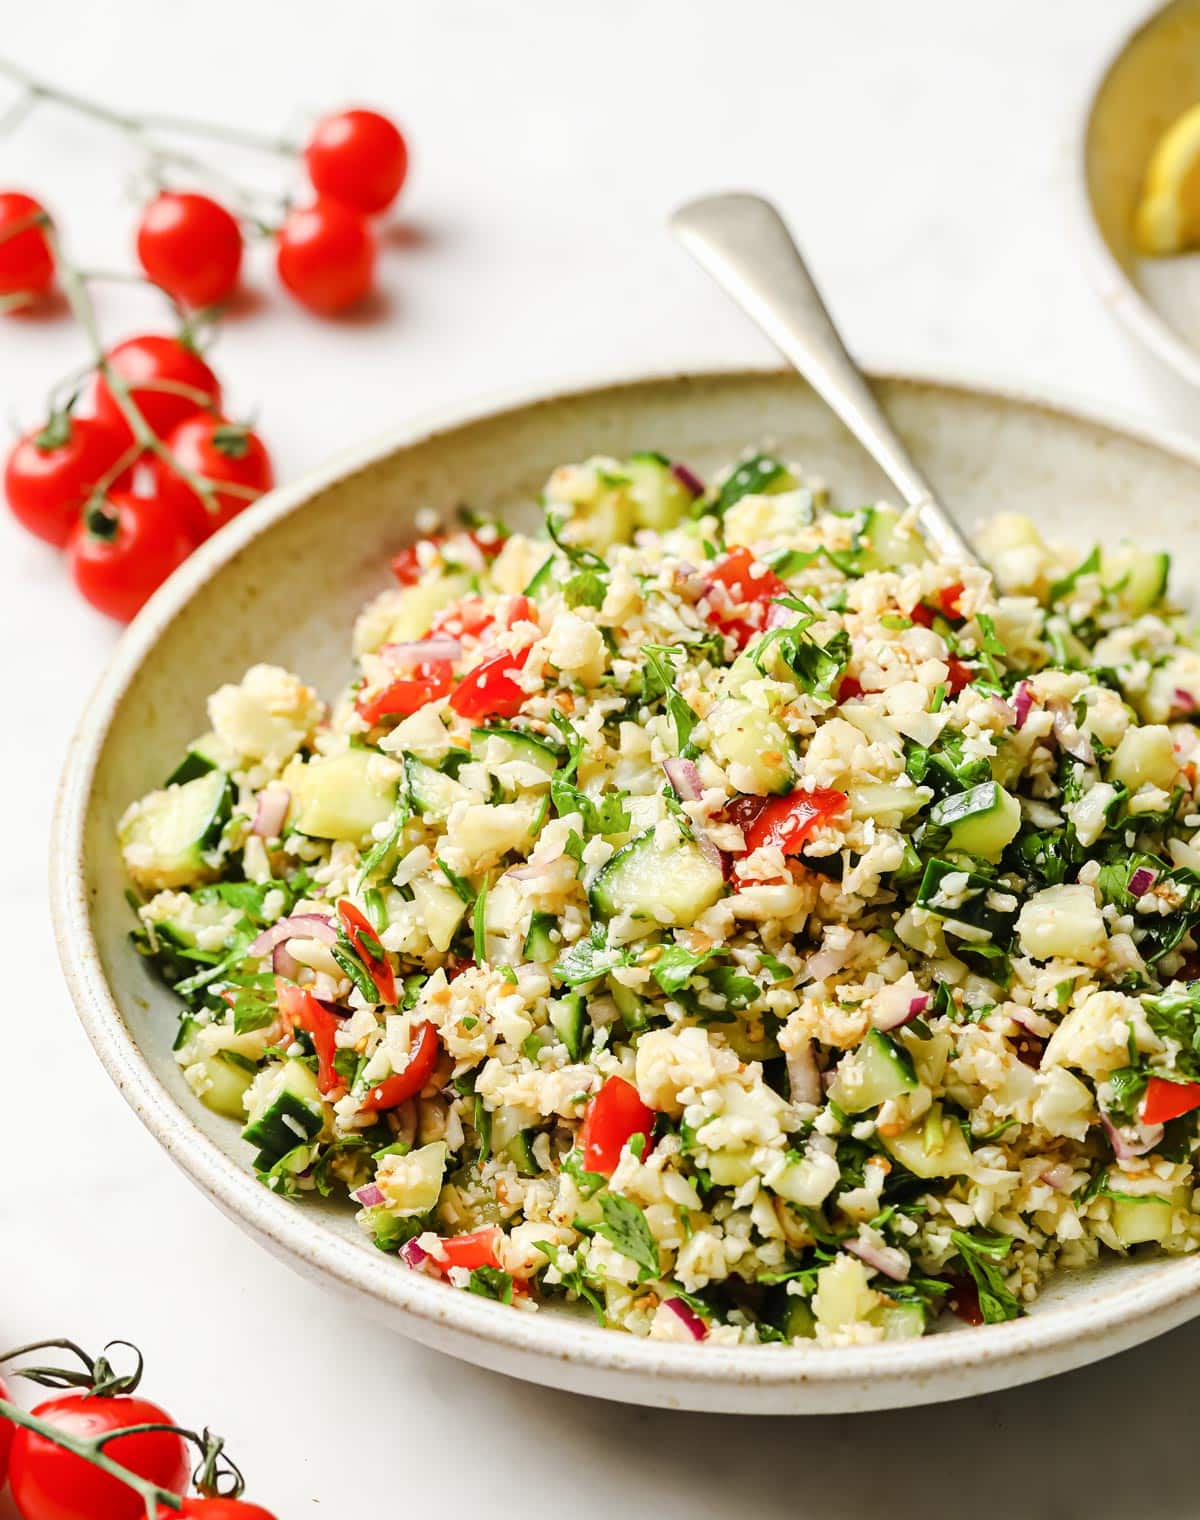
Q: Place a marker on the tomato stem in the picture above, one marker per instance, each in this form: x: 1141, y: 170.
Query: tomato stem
x: 93, y: 1452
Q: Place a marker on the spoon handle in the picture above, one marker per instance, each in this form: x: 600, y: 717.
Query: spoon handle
x: 743, y: 243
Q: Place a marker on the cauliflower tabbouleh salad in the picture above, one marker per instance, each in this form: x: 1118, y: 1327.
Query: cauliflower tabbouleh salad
x: 712, y: 910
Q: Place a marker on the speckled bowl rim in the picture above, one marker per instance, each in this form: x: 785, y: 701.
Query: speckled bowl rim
x: 1113, y: 285
x: 755, y: 1379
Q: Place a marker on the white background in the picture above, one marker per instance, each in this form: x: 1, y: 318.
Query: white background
x: 924, y: 152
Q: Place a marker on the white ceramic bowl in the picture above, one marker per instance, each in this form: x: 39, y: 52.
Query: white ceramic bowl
x: 283, y: 583
x: 1151, y: 79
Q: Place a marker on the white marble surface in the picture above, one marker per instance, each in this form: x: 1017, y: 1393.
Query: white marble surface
x: 924, y: 152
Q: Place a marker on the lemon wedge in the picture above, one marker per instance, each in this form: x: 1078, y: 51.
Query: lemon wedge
x: 1167, y: 219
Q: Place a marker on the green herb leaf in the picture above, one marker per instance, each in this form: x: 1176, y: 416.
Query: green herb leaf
x: 983, y: 1252
x: 625, y: 1229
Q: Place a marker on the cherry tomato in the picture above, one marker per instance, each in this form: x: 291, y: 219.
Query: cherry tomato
x: 49, y: 1483
x: 222, y: 452
x: 191, y: 246
x: 960, y: 675
x: 848, y: 688
x: 610, y: 1121
x: 7, y: 1432
x: 489, y: 690
x: 923, y: 616
x: 426, y: 684
x: 218, y: 1509
x: 948, y: 599
x: 26, y: 263
x: 397, y: 1089
x: 120, y: 557
x: 358, y: 158
x: 788, y: 821
x: 52, y: 470
x: 326, y: 256
x: 406, y: 567
x: 168, y: 379
x: 747, y: 588
x: 469, y: 616
x: 478, y: 1249
x: 1168, y: 1100
x: 299, y: 1009
x: 368, y: 949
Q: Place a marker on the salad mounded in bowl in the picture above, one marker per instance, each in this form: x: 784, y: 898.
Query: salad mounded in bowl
x: 712, y: 912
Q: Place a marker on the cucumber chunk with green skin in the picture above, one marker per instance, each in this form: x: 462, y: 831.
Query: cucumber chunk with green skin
x: 969, y: 902
x: 433, y: 793
x: 221, y: 1085
x: 1135, y: 578
x: 635, y: 1011
x: 503, y: 745
x: 934, y: 1147
x: 569, y: 1017
x: 287, y: 1111
x: 660, y: 498
x: 672, y: 885
x: 203, y: 755
x: 519, y: 1151
x: 879, y: 1069
x: 1139, y: 1220
x: 746, y: 735
x: 758, y: 476
x: 797, y: 1321
x: 982, y: 821
x: 884, y: 546
x: 899, y: 1322
x: 341, y: 796
x: 540, y: 944
x: 164, y: 837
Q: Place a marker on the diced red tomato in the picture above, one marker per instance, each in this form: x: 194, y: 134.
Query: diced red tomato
x: 1168, y: 1100
x: 923, y: 615
x: 364, y: 940
x: 489, y: 690
x: 788, y: 821
x: 749, y: 588
x: 743, y: 810
x: 848, y: 688
x: 406, y: 695
x: 478, y: 1249
x: 468, y: 617
x: 960, y: 675
x: 394, y: 1090
x: 610, y: 1121
x: 301, y: 1010
x: 520, y: 610
x: 406, y: 567
x: 948, y: 599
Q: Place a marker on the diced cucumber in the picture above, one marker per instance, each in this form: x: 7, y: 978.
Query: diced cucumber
x: 440, y: 910
x: 180, y: 918
x: 433, y: 793
x: 899, y: 1322
x: 341, y: 796
x: 982, y: 821
x: 885, y: 799
x: 203, y: 755
x: 221, y: 1084
x: 285, y: 1110
x: 672, y: 885
x: 519, y: 1151
x: 660, y: 498
x: 797, y: 1321
x: 164, y: 837
x: 413, y: 1183
x: 1135, y: 578
x: 731, y: 1168
x: 877, y: 1070
x: 504, y: 745
x: 747, y: 1047
x: 420, y: 603
x: 1146, y: 757
x: 568, y: 1015
x: 540, y: 944
x: 759, y: 475
x: 1063, y: 920
x: 884, y: 546
x: 964, y: 897
x: 746, y: 735
x: 1137, y: 1220
x: 934, y: 1147
x: 635, y: 1011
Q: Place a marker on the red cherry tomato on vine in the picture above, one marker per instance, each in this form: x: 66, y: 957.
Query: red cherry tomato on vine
x: 191, y: 246
x: 7, y: 1432
x: 359, y: 158
x: 51, y: 473
x: 49, y: 1483
x: 118, y: 558
x: 326, y: 256
x: 223, y: 452
x: 219, y: 1509
x: 168, y: 379
x: 26, y: 263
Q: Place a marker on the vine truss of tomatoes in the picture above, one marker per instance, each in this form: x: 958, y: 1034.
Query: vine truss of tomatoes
x: 138, y: 465
x: 99, y: 1451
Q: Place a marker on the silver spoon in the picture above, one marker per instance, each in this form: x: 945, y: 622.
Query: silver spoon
x: 743, y: 243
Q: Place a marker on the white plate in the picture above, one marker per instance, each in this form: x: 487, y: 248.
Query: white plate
x: 283, y: 583
x: 1148, y: 83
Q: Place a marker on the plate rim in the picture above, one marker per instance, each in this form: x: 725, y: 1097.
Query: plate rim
x: 1002, y: 1357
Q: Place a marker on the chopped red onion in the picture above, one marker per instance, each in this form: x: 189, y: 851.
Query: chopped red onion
x: 270, y: 811
x: 889, y: 1260
x: 779, y: 617
x: 1075, y: 743
x: 1183, y: 701
x: 709, y: 850
x: 529, y: 872
x: 685, y: 778
x: 1058, y: 1176
x: 419, y: 651
x: 896, y: 1005
x: 284, y: 963
x: 803, y: 1076
x: 824, y: 963
x: 1005, y: 710
x: 687, y: 479
x: 298, y: 926
x: 1022, y: 702
x: 1141, y: 881
x: 1128, y: 1143
x: 370, y: 1197
x: 1033, y: 1023
x: 694, y: 1325
x: 413, y: 1255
